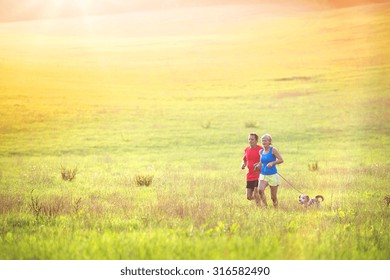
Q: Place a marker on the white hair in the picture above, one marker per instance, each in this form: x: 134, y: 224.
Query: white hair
x: 268, y: 137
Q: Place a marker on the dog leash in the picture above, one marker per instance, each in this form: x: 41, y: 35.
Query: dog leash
x: 289, y: 183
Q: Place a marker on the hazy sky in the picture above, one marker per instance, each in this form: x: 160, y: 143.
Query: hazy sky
x: 12, y: 10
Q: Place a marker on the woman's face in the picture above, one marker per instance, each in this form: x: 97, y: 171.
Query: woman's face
x: 265, y: 141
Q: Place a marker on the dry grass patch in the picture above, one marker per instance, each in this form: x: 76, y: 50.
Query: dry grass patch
x: 9, y: 203
x: 195, y: 209
x: 50, y: 206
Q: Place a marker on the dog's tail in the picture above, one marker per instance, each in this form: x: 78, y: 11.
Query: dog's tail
x: 320, y: 196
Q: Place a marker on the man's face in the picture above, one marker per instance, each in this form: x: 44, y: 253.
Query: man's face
x: 252, y: 140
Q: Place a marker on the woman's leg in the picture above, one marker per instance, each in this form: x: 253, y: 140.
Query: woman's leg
x: 262, y: 186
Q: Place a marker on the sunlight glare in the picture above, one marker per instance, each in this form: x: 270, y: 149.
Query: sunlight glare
x: 69, y: 7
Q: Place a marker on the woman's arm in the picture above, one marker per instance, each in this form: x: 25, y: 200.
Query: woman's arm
x: 278, y: 160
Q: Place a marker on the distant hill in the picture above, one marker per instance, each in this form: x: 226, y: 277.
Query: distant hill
x: 349, y: 3
x: 21, y: 10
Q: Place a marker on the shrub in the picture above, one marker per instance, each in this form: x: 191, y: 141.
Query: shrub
x: 250, y: 124
x: 76, y: 205
x: 387, y: 200
x: 143, y: 180
x: 206, y: 125
x: 35, y: 205
x: 68, y: 174
x: 313, y: 166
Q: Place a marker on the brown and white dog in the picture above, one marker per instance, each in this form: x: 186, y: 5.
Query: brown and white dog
x: 306, y: 201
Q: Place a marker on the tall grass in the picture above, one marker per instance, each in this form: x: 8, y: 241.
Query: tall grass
x: 198, y: 218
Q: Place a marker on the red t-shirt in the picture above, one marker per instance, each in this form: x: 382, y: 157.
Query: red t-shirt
x: 252, y: 156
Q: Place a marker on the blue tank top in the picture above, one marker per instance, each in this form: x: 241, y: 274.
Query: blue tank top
x: 265, y: 159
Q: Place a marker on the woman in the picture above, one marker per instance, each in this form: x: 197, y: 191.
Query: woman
x: 269, y: 158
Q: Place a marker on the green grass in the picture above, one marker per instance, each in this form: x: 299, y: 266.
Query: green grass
x: 318, y: 88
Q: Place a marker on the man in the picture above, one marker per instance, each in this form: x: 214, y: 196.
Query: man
x: 250, y: 159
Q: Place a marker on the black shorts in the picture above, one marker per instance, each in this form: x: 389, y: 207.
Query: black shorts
x: 252, y: 184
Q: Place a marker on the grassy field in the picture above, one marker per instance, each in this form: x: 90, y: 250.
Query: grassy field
x: 172, y: 96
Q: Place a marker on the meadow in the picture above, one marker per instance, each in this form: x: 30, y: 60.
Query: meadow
x: 172, y: 96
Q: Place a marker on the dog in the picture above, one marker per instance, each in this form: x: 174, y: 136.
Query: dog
x: 306, y: 201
